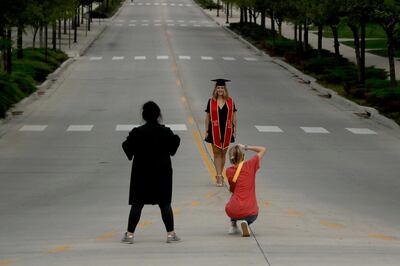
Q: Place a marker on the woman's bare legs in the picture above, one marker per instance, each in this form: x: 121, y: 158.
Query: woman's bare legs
x: 219, y: 163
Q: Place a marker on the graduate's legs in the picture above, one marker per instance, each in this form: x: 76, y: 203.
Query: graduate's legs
x: 218, y: 163
x: 167, y: 216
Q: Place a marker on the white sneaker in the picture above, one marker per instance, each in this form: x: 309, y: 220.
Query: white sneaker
x: 245, y: 228
x: 233, y: 230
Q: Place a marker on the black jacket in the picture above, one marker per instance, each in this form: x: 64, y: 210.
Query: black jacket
x: 151, y: 147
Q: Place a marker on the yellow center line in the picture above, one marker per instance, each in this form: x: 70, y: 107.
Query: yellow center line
x: 294, y: 213
x: 7, y: 262
x: 203, y: 154
x: 178, y: 83
x: 209, y: 195
x: 381, y: 237
x: 195, y: 203
x: 332, y: 225
x: 59, y: 249
x: 107, y: 235
x: 190, y: 120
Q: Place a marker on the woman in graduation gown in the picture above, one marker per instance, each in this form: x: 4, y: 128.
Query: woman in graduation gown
x: 151, y: 147
x: 220, y: 125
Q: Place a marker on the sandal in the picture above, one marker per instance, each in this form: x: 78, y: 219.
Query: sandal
x: 220, y: 181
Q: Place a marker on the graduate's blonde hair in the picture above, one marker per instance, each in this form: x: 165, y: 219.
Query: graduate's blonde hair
x: 215, y: 95
x: 236, y: 154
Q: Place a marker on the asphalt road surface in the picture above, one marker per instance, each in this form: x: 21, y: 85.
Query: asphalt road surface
x: 328, y: 188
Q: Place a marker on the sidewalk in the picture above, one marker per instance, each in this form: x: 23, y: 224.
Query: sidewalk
x: 327, y: 43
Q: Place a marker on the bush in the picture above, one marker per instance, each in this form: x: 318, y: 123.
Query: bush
x: 376, y: 83
x: 320, y: 64
x: 340, y: 75
x: 24, y: 82
x: 207, y: 4
x: 37, y: 70
x: 387, y: 99
x: 9, y: 93
x: 376, y: 73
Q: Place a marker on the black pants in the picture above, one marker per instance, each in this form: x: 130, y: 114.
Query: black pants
x: 166, y: 214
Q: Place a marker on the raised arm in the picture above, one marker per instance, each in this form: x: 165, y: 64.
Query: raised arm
x: 260, y: 150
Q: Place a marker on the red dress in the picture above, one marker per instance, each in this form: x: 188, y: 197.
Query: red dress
x: 243, y: 201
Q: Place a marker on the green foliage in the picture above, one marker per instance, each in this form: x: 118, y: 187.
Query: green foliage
x: 104, y: 11
x: 28, y: 72
x: 207, y: 4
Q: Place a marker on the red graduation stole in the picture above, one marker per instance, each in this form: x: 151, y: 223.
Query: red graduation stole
x: 215, y: 124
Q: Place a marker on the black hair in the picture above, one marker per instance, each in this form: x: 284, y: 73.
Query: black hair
x: 151, y: 112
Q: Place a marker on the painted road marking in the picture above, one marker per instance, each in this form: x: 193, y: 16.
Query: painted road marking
x: 196, y: 25
x: 80, y: 128
x: 118, y: 58
x: 125, y: 127
x: 269, y: 129
x: 162, y: 57
x: 250, y: 59
x: 207, y: 57
x: 181, y: 21
x: 171, y: 24
x: 145, y: 25
x: 59, y: 249
x: 361, y: 131
x: 382, y: 237
x: 133, y: 20
x: 315, y: 130
x: 107, y: 235
x: 294, y: 213
x: 6, y: 262
x: 140, y: 57
x: 183, y: 25
x: 145, y: 20
x: 132, y: 25
x: 332, y: 225
x: 228, y: 58
x: 196, y: 203
x: 184, y: 57
x: 157, y: 25
x: 96, y: 58
x: 177, y: 127
x: 33, y: 128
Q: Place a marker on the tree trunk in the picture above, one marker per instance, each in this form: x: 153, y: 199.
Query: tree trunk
x: 54, y: 35
x: 241, y: 16
x: 271, y: 15
x: 356, y: 37
x: 263, y: 18
x: 65, y: 26
x: 336, y: 40
x: 279, y: 22
x: 46, y: 32
x: 320, y: 32
x: 362, y: 66
x: 59, y: 33
x: 34, y: 38
x: 391, y: 48
x: 9, y: 53
x: 41, y: 36
x: 76, y: 26
x: 306, y: 34
x: 20, y: 51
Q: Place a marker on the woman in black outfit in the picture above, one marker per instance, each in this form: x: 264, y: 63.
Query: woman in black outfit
x: 151, y: 147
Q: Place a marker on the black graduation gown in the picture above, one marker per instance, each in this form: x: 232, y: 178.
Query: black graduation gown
x: 151, y: 147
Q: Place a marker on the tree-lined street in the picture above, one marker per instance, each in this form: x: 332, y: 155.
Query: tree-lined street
x: 327, y: 189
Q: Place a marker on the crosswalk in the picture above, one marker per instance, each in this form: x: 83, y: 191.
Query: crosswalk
x: 184, y: 127
x: 141, y: 4
x: 167, y: 57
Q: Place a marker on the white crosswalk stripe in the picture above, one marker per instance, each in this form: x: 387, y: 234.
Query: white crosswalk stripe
x: 162, y: 57
x: 80, y: 128
x: 140, y: 57
x: 269, y: 129
x: 228, y: 58
x: 361, y: 131
x: 125, y: 127
x: 184, y: 57
x: 207, y: 58
x: 250, y: 59
x: 129, y: 127
x: 118, y: 58
x: 315, y: 130
x: 95, y: 58
x: 177, y: 127
x: 33, y: 128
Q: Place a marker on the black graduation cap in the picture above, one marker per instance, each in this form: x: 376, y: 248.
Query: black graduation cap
x: 220, y: 82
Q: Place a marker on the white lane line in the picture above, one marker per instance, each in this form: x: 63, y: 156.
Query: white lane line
x: 118, y: 24
x: 269, y: 129
x: 164, y: 4
x: 145, y: 25
x: 147, y: 4
x: 177, y: 127
x: 250, y: 59
x: 183, y: 25
x: 157, y: 21
x: 132, y: 25
x: 132, y: 4
x: 125, y: 127
x: 95, y: 58
x: 228, y: 58
x: 145, y: 20
x: 156, y: 4
x: 140, y: 57
x: 188, y: 5
x: 207, y: 58
x: 80, y: 128
x: 196, y: 25
x: 120, y: 20
x: 162, y: 57
x: 181, y: 21
x: 171, y: 24
x: 118, y: 58
x: 157, y: 24
x: 316, y: 130
x: 133, y: 20
x: 172, y: 4
x: 192, y: 21
x: 180, y: 4
x: 184, y: 57
x: 362, y: 131
x: 140, y: 4
x: 33, y: 128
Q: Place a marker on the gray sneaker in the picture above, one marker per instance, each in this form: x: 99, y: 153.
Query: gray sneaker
x: 173, y: 238
x: 127, y: 239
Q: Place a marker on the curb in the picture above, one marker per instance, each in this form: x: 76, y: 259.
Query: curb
x: 363, y: 111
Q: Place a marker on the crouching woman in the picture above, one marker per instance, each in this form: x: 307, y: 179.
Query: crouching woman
x: 242, y: 207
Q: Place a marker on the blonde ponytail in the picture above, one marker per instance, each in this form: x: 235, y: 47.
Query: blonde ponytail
x: 236, y: 154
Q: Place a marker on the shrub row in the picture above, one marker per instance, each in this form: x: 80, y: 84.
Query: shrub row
x: 328, y: 69
x: 207, y: 4
x: 26, y: 74
x: 103, y: 11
